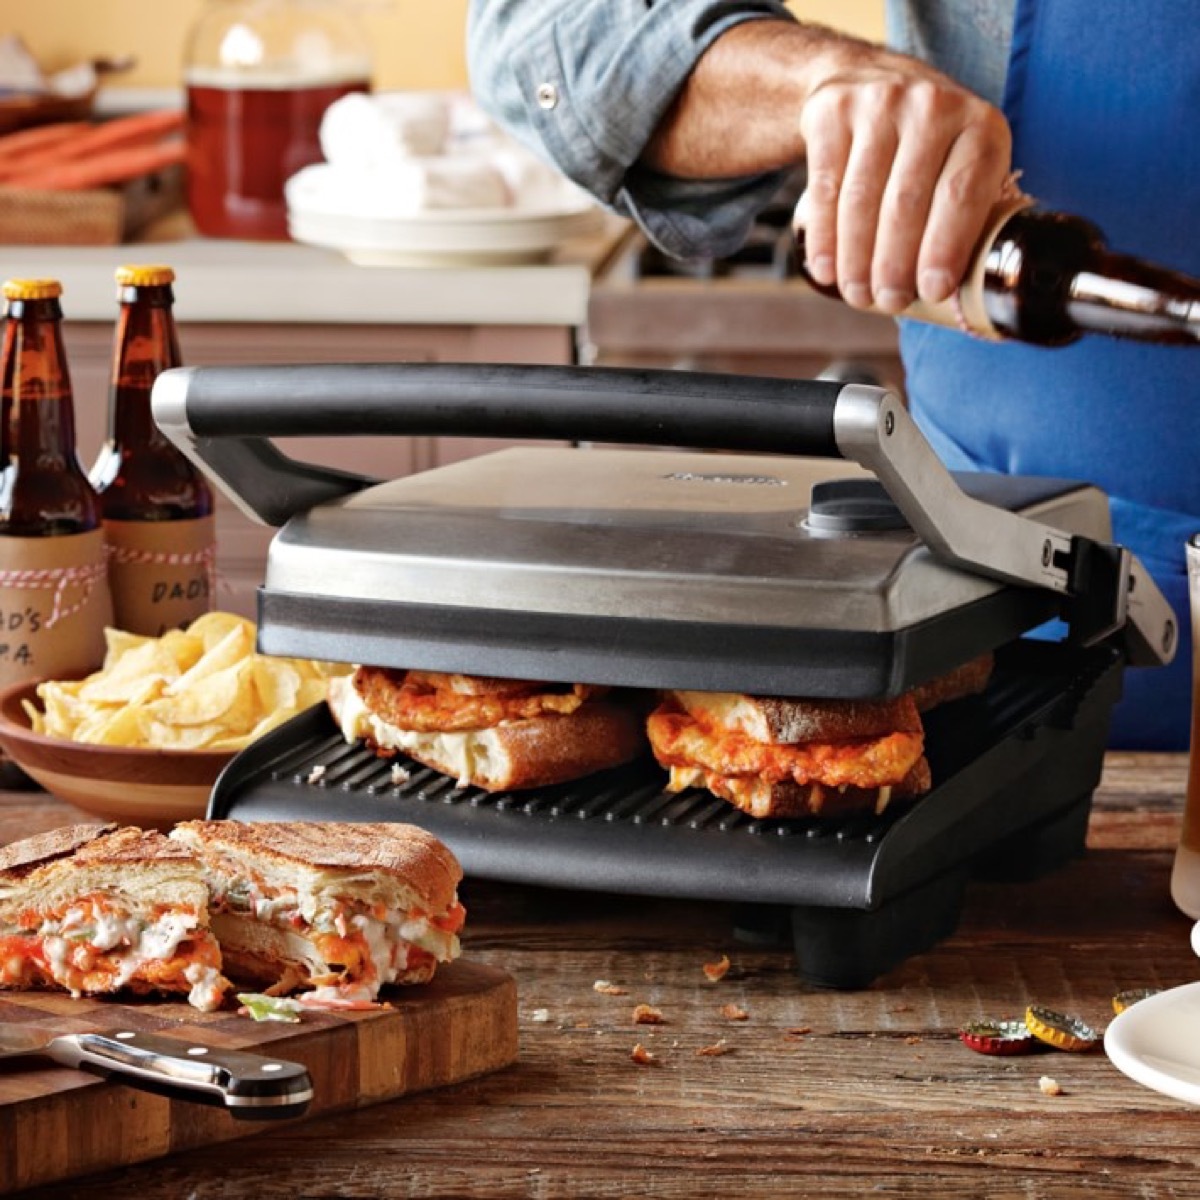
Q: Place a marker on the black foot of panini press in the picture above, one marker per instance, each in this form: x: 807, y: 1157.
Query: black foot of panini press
x: 673, y: 569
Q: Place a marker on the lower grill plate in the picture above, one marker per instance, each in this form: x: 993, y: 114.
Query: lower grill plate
x: 1013, y: 773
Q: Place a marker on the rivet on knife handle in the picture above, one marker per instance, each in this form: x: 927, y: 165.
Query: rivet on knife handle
x: 248, y: 1085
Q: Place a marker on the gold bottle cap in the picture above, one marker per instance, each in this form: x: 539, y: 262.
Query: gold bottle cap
x: 1123, y: 1000
x: 144, y: 276
x: 32, y: 289
x: 1060, y: 1029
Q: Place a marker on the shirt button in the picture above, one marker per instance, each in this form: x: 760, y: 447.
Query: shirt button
x: 547, y: 96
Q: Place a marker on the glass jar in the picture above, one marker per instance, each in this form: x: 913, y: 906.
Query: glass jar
x: 259, y: 75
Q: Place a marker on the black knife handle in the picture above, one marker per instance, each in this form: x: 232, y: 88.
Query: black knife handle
x: 247, y: 1085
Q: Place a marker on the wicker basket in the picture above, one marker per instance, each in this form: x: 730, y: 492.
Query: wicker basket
x: 95, y: 217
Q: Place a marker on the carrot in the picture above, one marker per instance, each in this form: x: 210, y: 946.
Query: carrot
x: 135, y: 129
x: 29, y: 141
x: 140, y: 129
x: 113, y: 166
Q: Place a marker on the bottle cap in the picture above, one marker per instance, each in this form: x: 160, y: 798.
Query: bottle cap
x: 1123, y: 1000
x: 999, y: 1037
x: 32, y: 289
x: 1059, y: 1030
x: 144, y: 276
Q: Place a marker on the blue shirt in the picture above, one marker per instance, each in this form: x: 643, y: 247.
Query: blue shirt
x: 586, y: 83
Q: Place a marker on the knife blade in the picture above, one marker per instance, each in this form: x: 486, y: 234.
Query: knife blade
x: 248, y: 1086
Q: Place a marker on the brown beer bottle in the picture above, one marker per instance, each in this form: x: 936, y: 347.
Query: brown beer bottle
x: 54, y: 598
x: 1049, y: 277
x: 157, y: 507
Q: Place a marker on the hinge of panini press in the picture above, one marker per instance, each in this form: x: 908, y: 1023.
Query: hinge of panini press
x: 1105, y: 588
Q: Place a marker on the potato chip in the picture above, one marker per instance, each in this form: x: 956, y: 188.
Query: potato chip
x: 277, y: 683
x: 199, y: 688
x: 214, y: 627
x: 129, y: 674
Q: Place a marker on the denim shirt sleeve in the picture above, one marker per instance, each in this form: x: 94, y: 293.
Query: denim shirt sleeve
x: 586, y: 82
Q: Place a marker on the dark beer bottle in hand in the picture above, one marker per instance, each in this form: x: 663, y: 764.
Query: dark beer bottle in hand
x: 54, y: 598
x: 157, y: 507
x: 1048, y: 278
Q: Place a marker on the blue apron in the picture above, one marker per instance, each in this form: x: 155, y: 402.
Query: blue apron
x: 1104, y: 102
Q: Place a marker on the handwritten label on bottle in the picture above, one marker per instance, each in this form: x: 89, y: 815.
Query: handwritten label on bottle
x: 54, y: 605
x: 161, y: 572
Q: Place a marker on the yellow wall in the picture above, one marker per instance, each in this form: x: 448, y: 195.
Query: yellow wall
x: 418, y: 43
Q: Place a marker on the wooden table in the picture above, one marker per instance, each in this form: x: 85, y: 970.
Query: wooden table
x: 820, y: 1093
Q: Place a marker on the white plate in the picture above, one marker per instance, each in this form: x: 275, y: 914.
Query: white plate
x: 1157, y: 1042
x: 450, y: 237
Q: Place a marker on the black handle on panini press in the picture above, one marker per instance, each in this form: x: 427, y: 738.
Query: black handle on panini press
x: 225, y: 417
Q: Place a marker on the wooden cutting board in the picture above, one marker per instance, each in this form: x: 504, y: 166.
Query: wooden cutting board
x: 56, y: 1123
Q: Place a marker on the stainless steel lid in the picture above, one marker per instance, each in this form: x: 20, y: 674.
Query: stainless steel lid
x: 645, y: 567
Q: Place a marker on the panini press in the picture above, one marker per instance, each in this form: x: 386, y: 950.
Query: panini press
x: 699, y: 533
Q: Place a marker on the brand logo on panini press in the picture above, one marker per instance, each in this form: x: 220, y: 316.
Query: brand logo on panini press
x: 736, y: 480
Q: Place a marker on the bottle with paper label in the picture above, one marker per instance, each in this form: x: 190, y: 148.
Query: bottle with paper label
x: 54, y: 597
x: 157, y: 507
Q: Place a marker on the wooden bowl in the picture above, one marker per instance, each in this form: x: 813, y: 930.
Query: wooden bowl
x: 150, y: 788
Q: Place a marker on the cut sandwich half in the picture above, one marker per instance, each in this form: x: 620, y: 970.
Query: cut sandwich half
x: 780, y: 757
x: 333, y: 910
x: 95, y: 910
x: 495, y: 734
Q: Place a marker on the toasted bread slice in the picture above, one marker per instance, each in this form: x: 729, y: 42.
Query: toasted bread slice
x: 531, y: 752
x: 968, y: 680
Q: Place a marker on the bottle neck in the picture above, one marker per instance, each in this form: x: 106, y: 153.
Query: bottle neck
x: 146, y: 344
x: 43, y: 490
x: 1125, y: 297
x: 37, y: 384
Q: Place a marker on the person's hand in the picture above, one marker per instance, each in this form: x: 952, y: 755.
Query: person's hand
x: 903, y: 166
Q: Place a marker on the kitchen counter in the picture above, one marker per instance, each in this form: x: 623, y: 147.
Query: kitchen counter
x: 282, y: 282
x: 820, y: 1093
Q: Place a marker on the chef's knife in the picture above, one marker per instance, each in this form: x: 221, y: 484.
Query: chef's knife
x: 249, y: 1086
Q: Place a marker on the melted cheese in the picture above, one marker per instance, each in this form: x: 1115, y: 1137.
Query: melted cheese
x: 95, y: 947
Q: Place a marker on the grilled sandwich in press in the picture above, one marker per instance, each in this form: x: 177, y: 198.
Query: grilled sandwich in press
x: 96, y: 910
x: 332, y: 910
x: 495, y: 734
x: 800, y: 756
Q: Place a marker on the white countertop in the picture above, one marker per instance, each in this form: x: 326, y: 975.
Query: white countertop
x: 231, y: 281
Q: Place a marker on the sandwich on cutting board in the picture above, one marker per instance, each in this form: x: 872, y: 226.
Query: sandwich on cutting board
x: 332, y: 910
x: 495, y: 734
x: 96, y: 910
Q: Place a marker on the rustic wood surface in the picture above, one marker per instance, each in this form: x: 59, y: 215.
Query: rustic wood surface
x: 831, y: 1094
x: 461, y: 1025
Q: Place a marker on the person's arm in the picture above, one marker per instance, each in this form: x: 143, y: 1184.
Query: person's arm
x: 903, y: 163
x: 585, y: 83
x: 687, y: 115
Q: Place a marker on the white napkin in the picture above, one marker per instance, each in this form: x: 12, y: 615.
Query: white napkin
x: 361, y: 130
x: 401, y: 154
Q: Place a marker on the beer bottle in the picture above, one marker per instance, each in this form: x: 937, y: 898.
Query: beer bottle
x: 54, y: 597
x: 157, y: 507
x: 1049, y: 277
